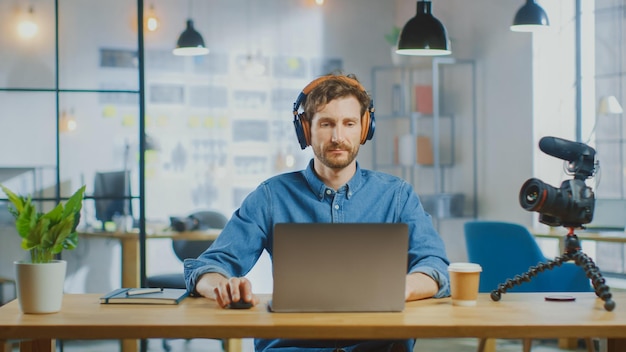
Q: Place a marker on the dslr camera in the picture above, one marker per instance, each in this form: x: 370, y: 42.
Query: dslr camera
x: 572, y: 204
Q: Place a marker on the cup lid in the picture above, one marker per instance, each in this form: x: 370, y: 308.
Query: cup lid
x: 465, y: 267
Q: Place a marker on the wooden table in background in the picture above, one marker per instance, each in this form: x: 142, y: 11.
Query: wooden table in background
x: 515, y: 316
x: 130, y: 248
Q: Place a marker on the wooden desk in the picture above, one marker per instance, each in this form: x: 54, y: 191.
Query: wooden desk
x: 130, y: 248
x: 517, y: 315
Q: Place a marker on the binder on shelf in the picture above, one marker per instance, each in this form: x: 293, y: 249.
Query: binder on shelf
x: 425, y: 151
x: 409, y: 150
x: 424, y: 99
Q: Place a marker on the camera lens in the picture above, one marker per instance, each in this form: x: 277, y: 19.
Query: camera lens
x: 532, y: 194
x: 535, y: 195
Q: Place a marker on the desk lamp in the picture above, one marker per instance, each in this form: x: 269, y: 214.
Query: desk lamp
x: 608, y: 105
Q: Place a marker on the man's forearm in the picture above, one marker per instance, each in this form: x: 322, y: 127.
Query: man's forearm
x: 419, y: 286
x: 207, y: 283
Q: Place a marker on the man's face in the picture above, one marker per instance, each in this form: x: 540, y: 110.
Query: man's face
x: 336, y: 132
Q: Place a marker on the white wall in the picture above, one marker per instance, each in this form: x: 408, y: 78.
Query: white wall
x: 480, y: 30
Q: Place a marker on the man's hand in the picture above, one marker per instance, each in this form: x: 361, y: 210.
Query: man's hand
x: 224, y: 291
x: 419, y: 286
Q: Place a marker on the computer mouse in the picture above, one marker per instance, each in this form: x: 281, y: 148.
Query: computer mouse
x: 241, y: 304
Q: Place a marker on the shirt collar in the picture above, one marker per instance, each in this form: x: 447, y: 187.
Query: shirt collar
x: 318, y: 187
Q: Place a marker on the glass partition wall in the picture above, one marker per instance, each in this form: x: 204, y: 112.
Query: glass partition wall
x: 71, y: 97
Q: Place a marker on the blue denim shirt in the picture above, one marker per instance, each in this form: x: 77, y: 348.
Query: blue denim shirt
x: 300, y: 197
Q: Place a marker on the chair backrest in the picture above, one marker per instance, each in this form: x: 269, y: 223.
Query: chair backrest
x: 505, y: 250
x: 192, y: 249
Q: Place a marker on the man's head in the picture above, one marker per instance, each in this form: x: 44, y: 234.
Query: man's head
x: 336, y: 119
x: 320, y: 92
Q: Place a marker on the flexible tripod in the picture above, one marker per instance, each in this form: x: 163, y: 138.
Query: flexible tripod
x: 572, y: 252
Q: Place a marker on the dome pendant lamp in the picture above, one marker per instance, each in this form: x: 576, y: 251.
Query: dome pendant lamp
x: 423, y: 35
x: 530, y: 18
x: 190, y: 42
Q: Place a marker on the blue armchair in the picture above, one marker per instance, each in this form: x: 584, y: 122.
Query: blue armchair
x: 505, y: 250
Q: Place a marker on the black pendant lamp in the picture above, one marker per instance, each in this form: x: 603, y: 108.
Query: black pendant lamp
x: 423, y: 35
x: 530, y: 18
x: 190, y: 42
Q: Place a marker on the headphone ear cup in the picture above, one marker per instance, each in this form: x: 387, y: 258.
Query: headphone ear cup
x: 302, y: 130
x: 366, y: 127
x: 370, y: 131
x: 372, y: 126
x: 369, y: 123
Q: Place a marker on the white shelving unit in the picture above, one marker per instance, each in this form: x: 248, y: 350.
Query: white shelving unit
x: 429, y: 140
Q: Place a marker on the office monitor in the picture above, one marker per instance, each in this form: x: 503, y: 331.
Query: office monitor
x: 112, y: 195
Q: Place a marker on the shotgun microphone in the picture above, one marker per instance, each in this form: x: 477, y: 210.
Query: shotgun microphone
x: 564, y: 149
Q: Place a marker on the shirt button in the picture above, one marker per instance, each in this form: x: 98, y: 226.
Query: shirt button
x: 328, y: 191
x: 336, y: 207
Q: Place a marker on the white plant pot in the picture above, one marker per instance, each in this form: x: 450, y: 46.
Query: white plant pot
x: 40, y: 286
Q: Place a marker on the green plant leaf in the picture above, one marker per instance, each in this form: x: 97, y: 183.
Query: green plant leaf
x: 75, y: 203
x: 392, y: 37
x: 26, y: 220
x: 35, y: 237
x: 58, y: 234
x: 17, y: 201
x: 55, y: 215
x: 71, y: 241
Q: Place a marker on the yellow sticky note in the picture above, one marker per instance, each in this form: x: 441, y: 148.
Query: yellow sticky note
x: 162, y: 121
x: 193, y: 122
x: 129, y: 120
x: 209, y: 122
x: 222, y: 122
x: 109, y: 111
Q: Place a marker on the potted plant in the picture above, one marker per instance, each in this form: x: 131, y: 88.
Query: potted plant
x: 392, y: 39
x: 40, y: 280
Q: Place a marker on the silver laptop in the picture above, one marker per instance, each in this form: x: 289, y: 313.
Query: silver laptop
x: 608, y: 215
x: 322, y: 267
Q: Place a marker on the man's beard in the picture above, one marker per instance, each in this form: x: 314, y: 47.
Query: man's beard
x: 336, y: 162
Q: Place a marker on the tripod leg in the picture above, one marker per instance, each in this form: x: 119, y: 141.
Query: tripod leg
x: 581, y: 259
x: 593, y: 272
x: 527, y: 276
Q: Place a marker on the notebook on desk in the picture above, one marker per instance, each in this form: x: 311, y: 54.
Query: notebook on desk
x: 339, y: 267
x: 608, y: 215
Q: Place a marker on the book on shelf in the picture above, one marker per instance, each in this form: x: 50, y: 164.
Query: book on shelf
x: 144, y: 296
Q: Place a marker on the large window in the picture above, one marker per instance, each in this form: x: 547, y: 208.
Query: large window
x: 578, y: 67
x: 609, y: 82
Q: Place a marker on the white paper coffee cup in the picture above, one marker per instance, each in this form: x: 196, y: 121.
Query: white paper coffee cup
x: 464, y: 280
